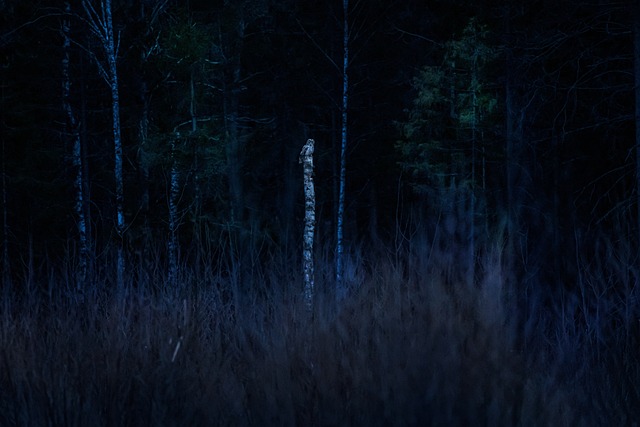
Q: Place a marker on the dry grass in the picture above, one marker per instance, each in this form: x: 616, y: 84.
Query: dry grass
x: 408, y: 346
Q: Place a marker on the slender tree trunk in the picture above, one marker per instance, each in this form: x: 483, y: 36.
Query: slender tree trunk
x: 174, y: 190
x: 472, y: 194
x: 513, y: 140
x: 636, y: 65
x: 192, y: 102
x: 143, y: 161
x: 556, y: 250
x: 511, y: 173
x: 143, y: 253
x: 306, y: 159
x: 86, y: 185
x: 117, y: 145
x: 173, y: 214
x: 196, y: 153
x: 234, y: 148
x: 6, y: 265
x: 343, y: 155
x: 101, y: 24
x: 71, y: 130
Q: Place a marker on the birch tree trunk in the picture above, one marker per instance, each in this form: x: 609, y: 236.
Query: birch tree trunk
x: 306, y: 159
x: 343, y: 152
x: 101, y: 23
x: 71, y: 131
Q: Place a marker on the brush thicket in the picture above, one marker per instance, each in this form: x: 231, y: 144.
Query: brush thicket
x: 413, y: 343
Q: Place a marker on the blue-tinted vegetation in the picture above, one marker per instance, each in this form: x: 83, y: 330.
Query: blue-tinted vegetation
x: 479, y: 210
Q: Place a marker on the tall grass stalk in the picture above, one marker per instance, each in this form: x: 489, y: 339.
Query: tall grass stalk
x: 409, y: 345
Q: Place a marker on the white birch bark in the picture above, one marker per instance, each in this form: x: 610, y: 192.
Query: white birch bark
x: 343, y: 150
x: 101, y: 24
x: 306, y: 159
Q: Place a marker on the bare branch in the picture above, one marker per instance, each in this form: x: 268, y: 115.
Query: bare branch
x: 421, y: 37
x: 95, y: 24
x: 101, y: 69
x: 318, y: 46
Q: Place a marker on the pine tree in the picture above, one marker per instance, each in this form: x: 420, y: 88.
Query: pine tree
x: 447, y: 139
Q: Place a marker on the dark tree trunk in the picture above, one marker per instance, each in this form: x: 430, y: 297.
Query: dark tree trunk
x: 71, y: 131
x: 636, y: 66
x: 514, y: 141
x: 101, y: 24
x: 6, y: 265
x: 173, y: 214
x: 343, y: 154
x: 234, y: 144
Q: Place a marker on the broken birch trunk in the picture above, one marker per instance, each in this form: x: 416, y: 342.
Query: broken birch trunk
x: 306, y: 159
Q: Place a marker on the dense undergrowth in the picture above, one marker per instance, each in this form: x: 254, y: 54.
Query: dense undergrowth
x: 413, y: 343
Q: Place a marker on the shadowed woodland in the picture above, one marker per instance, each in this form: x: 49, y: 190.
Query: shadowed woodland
x: 477, y: 177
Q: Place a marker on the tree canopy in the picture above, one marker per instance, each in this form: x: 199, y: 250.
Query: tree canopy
x: 437, y: 91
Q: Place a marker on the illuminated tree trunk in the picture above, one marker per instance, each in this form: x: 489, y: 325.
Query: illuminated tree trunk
x: 343, y: 153
x: 101, y: 23
x: 306, y: 159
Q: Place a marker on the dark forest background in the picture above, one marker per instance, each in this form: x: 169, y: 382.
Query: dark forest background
x: 492, y: 202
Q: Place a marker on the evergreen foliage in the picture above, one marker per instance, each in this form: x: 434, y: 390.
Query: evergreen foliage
x: 453, y: 119
x: 490, y: 216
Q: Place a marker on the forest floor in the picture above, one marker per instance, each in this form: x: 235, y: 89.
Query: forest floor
x: 411, y: 344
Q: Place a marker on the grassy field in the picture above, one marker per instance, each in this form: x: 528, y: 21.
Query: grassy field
x: 413, y: 343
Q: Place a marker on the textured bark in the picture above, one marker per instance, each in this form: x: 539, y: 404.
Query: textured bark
x: 472, y: 192
x: 231, y: 110
x: 173, y: 215
x: 143, y: 160
x: 143, y: 251
x: 514, y: 141
x: 306, y: 159
x: 636, y: 66
x: 71, y: 131
x: 343, y: 155
x: 101, y: 24
x: 6, y: 265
